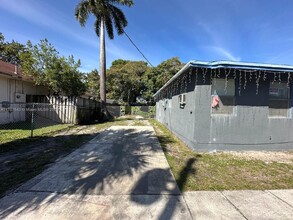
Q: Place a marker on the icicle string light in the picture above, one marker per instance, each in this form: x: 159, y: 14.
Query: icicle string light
x: 204, y: 75
x: 180, y: 85
x: 219, y: 73
x: 226, y: 79
x: 245, y: 81
x: 196, y: 76
x: 211, y: 77
x: 186, y: 83
x: 274, y: 80
x: 264, y: 75
x: 239, y: 88
x: 189, y: 76
x: 288, y: 80
x: 215, y: 77
x: 257, y: 78
x: 183, y: 81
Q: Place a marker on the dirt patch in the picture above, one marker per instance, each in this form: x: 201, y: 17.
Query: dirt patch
x: 139, y: 122
x: 10, y: 159
x: 266, y: 156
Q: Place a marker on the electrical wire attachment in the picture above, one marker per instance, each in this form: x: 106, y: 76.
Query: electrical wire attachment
x: 138, y: 49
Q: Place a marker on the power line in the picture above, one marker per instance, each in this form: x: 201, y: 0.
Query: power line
x: 138, y: 49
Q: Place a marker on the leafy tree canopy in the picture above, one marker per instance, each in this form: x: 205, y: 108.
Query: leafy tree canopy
x: 125, y: 80
x: 92, y: 84
x: 44, y: 65
x: 156, y: 77
x: 130, y: 80
x: 11, y: 51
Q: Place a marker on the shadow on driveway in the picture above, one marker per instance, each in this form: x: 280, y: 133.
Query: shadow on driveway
x: 164, y: 180
x: 120, y: 161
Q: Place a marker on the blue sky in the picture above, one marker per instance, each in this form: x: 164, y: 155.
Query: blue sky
x: 243, y: 30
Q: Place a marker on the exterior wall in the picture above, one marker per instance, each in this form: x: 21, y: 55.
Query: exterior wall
x: 248, y: 128
x: 9, y: 87
x: 4, y: 89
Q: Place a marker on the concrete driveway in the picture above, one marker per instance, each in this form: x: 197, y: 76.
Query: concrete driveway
x: 120, y: 174
x: 123, y: 174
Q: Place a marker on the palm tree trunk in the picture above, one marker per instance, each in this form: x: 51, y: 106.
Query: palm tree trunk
x: 105, y: 116
x: 102, y: 64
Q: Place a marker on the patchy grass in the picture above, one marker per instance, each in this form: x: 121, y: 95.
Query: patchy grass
x: 138, y: 123
x: 21, y: 130
x: 20, y: 167
x: 220, y: 171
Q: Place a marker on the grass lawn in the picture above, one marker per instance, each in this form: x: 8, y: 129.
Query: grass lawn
x: 30, y: 161
x: 220, y: 171
x: 21, y: 130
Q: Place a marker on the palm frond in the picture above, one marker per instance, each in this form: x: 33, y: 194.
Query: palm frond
x: 98, y: 25
x: 106, y: 9
x: 128, y: 3
x: 109, y: 26
x: 119, y: 19
x: 82, y: 12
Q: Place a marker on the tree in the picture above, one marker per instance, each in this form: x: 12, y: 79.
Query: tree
x: 125, y: 80
x: 93, y: 88
x: 65, y: 78
x: 10, y: 51
x: 2, y: 39
x: 107, y: 14
x: 43, y: 64
x: 40, y: 61
x: 157, y: 76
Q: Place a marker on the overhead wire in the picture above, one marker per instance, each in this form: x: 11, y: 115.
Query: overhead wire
x: 138, y: 49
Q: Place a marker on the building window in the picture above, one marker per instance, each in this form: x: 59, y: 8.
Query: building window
x: 279, y: 99
x: 223, y: 96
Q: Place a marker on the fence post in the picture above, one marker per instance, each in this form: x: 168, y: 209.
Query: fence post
x: 32, y: 121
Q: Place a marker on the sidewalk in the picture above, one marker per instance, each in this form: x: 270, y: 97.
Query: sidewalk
x: 246, y: 204
x: 123, y: 174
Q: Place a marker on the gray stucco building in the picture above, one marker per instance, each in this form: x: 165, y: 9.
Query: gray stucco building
x: 227, y: 105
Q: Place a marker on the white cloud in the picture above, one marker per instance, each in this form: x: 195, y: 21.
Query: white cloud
x: 42, y: 14
x: 211, y: 33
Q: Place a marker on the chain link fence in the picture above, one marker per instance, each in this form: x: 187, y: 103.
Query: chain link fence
x: 144, y: 111
x: 23, y: 120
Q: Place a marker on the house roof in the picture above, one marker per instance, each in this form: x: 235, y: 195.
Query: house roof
x: 12, y: 70
x: 229, y: 64
x: 9, y: 69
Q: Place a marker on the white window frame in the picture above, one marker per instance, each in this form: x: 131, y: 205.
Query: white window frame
x: 272, y: 98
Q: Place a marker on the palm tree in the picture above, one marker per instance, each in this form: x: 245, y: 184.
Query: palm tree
x: 107, y: 14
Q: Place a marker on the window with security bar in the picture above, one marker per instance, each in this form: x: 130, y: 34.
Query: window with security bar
x: 279, y: 99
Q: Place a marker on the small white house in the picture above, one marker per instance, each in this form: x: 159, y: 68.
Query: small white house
x: 14, y: 88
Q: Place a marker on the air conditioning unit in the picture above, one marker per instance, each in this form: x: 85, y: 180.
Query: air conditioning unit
x: 19, y: 97
x: 182, y: 99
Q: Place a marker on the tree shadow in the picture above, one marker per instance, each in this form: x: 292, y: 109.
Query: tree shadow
x: 107, y: 164
x: 164, y: 183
